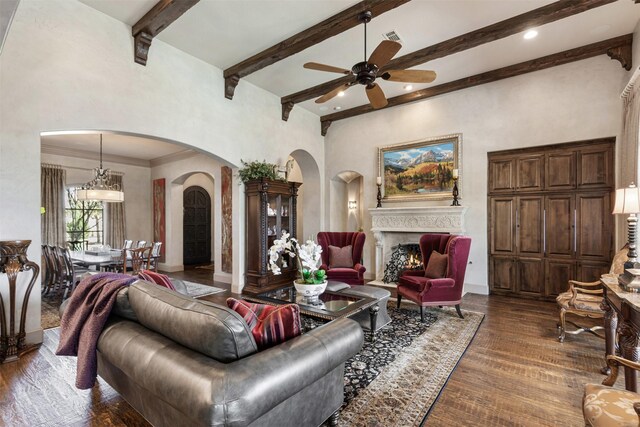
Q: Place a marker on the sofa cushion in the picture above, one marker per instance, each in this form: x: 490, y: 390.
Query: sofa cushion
x: 157, y: 278
x: 340, y: 257
x: 211, y: 329
x: 269, y: 325
x: 437, y: 265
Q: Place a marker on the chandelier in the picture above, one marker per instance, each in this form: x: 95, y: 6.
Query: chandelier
x: 99, y: 189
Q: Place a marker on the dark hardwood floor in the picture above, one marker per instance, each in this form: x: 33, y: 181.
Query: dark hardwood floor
x: 515, y: 372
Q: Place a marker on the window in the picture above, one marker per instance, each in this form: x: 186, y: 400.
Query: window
x: 83, y: 221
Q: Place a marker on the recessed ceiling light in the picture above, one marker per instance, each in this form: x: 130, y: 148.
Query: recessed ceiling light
x: 530, y: 34
x: 407, y: 87
x: 337, y: 108
x: 341, y: 93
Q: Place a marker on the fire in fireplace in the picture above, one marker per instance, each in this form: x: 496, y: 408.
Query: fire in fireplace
x: 404, y: 257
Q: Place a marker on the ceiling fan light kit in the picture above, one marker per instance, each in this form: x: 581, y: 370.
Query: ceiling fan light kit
x: 366, y: 72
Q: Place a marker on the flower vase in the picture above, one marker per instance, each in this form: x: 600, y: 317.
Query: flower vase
x: 310, y: 292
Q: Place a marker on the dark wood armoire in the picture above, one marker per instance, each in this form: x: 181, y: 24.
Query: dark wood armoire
x: 550, y: 218
x: 271, y: 209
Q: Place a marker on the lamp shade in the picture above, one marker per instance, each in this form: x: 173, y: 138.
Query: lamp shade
x: 627, y: 200
x: 100, y: 195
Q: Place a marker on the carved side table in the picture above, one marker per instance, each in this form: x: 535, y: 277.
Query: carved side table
x: 13, y: 261
x: 622, y: 319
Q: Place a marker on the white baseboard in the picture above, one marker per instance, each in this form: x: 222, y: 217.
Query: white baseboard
x: 473, y: 288
x: 170, y: 268
x: 34, y: 337
x: 222, y: 277
x: 381, y: 283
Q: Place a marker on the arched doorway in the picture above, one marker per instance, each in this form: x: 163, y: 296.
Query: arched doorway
x: 309, y: 211
x: 196, y: 229
x: 345, y: 198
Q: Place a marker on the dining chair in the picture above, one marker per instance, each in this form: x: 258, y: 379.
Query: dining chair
x: 127, y: 244
x: 48, y: 278
x: 155, y: 256
x: 71, y: 273
x: 135, y: 260
x: 141, y: 244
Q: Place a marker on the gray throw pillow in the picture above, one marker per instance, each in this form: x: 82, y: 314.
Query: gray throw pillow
x: 340, y: 257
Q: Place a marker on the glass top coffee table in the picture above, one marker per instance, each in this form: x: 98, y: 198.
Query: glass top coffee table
x: 328, y: 306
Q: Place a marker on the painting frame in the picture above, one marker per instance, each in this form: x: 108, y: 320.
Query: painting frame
x: 393, y: 153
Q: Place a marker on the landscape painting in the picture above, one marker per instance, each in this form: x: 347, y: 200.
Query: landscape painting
x: 420, y: 170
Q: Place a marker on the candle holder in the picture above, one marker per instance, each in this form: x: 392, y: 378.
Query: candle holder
x: 455, y: 193
x: 379, y: 205
x: 13, y: 260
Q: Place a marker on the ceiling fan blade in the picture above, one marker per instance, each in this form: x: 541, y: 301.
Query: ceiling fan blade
x: 328, y: 68
x: 376, y: 96
x: 410, y: 76
x: 384, y: 52
x: 327, y: 96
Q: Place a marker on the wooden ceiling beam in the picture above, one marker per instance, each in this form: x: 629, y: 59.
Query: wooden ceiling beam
x: 328, y: 28
x: 164, y: 13
x: 618, y: 48
x: 508, y: 27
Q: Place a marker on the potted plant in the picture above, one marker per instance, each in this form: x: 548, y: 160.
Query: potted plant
x: 311, y: 281
x: 258, y: 170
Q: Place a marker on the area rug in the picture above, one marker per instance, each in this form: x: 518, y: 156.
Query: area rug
x: 50, y: 318
x: 395, y: 380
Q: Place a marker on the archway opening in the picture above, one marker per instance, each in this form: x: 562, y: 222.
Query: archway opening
x: 309, y: 212
x: 346, y: 201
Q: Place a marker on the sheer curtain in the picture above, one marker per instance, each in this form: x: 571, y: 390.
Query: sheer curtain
x: 52, y: 181
x: 116, y: 227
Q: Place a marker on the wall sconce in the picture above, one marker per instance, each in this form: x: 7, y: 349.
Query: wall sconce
x: 353, y: 204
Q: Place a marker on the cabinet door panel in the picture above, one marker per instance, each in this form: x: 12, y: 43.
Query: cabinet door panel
x: 502, y: 273
x: 530, y: 225
x: 560, y: 171
x: 595, y: 166
x: 530, y: 276
x: 530, y: 172
x: 503, y: 225
x: 557, y: 276
x: 559, y: 226
x: 501, y: 175
x: 593, y: 222
x: 591, y: 271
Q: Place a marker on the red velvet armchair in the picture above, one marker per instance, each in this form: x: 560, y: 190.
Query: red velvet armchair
x: 353, y: 275
x: 424, y: 291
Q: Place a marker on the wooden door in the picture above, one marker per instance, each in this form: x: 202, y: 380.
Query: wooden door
x: 529, y: 226
x: 595, y: 166
x: 530, y: 276
x: 502, y: 273
x: 593, y: 226
x: 558, y: 272
x: 589, y: 271
x: 559, y: 226
x: 503, y: 215
x: 502, y: 175
x: 560, y: 170
x: 196, y: 226
x: 530, y: 172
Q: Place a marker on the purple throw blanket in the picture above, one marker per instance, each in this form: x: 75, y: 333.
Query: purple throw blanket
x: 84, y: 318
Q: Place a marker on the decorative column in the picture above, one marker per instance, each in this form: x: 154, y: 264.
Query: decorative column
x: 13, y: 260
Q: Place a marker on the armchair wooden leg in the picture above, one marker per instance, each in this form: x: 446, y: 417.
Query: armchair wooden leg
x: 399, y: 298
x: 422, y: 314
x: 459, y: 312
x: 563, y: 325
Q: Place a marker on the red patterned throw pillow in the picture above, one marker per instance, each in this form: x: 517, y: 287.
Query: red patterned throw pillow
x: 437, y: 266
x: 269, y: 325
x: 157, y: 278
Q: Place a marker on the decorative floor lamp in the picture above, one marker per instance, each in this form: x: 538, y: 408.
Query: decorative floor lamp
x: 628, y: 202
x: 13, y: 261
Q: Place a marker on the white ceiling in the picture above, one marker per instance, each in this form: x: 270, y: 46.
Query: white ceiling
x: 87, y: 145
x: 225, y: 32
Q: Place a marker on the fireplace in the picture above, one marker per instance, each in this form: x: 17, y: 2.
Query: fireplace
x: 404, y: 257
x: 393, y: 227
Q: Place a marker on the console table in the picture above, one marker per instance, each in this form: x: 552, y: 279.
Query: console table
x: 622, y: 317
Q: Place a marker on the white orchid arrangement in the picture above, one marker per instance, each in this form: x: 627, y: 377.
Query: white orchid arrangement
x: 307, y: 258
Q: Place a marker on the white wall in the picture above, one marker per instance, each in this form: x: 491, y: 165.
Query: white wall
x: 66, y: 66
x: 572, y: 102
x: 137, y: 190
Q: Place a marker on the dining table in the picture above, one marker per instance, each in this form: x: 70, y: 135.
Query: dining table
x: 98, y: 260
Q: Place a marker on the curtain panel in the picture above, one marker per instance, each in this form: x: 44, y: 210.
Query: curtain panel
x: 116, y: 226
x: 52, y: 182
x: 630, y: 134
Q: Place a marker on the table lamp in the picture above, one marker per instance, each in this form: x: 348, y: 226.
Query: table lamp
x: 628, y: 202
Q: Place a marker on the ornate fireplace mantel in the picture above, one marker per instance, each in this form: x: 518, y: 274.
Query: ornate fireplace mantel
x: 391, y: 226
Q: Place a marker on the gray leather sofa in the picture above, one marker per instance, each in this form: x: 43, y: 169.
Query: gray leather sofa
x: 185, y: 362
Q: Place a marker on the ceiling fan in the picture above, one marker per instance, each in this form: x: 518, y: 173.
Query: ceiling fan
x: 366, y: 72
